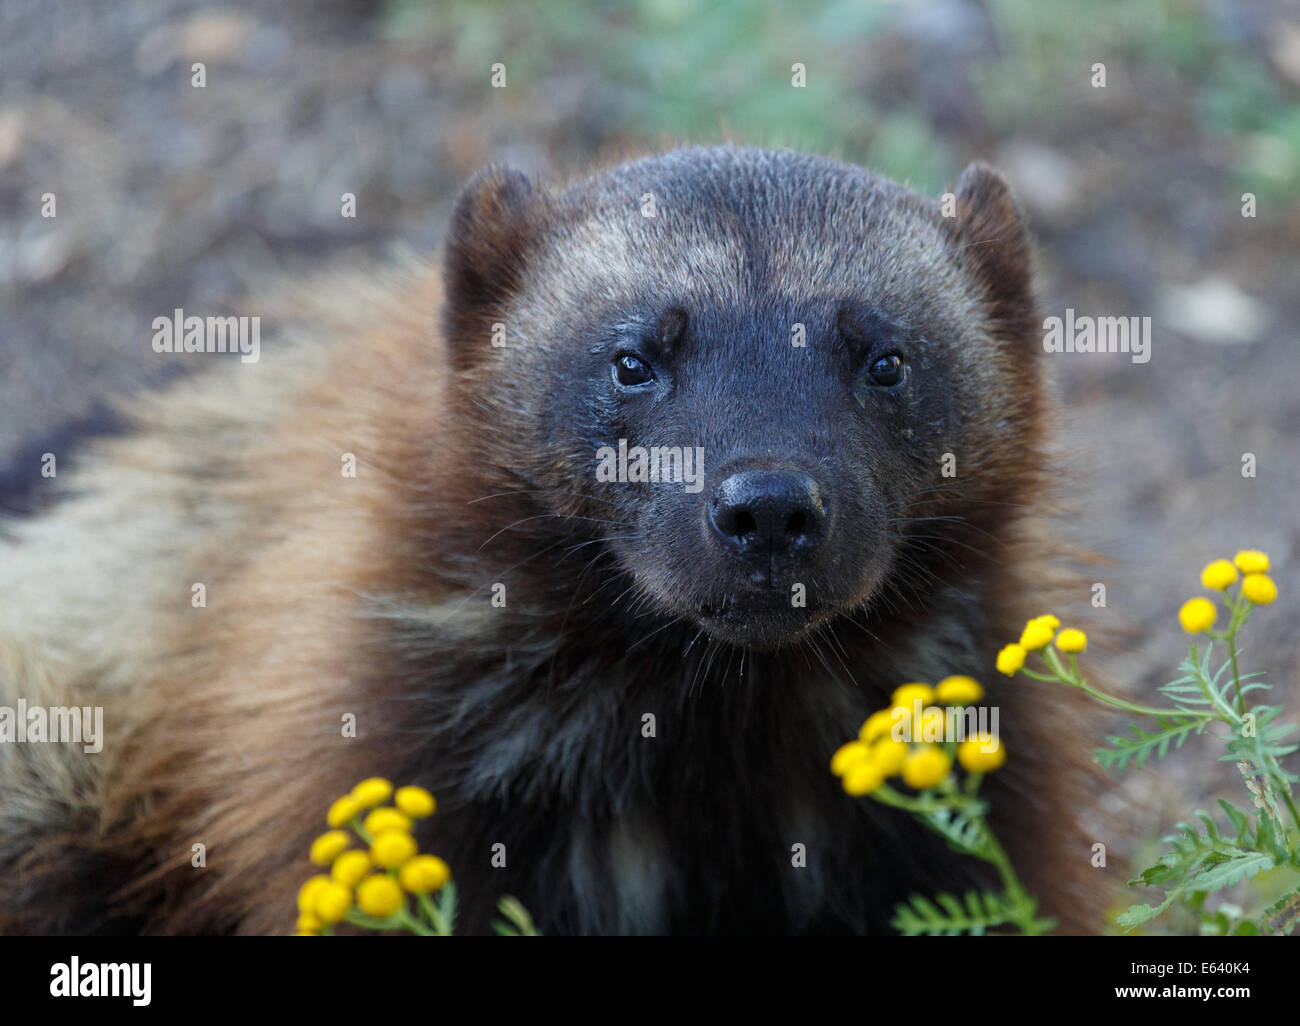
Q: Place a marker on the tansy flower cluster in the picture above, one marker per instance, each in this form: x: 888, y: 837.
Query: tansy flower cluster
x: 915, y: 739
x: 889, y: 745
x: 1198, y: 615
x: 1038, y: 634
x: 374, y: 885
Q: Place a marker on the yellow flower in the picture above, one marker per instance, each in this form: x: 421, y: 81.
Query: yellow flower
x: 974, y: 757
x: 1071, y: 640
x: 380, y: 896
x: 1197, y: 615
x: 342, y: 811
x: 371, y: 792
x: 926, y: 767
x: 933, y: 723
x: 863, y: 777
x: 416, y: 802
x: 907, y: 694
x: 332, y: 902
x: 1251, y: 561
x: 878, y: 724
x: 1259, y: 588
x: 306, y: 933
x: 327, y: 847
x: 308, y: 923
x: 350, y: 867
x: 1218, y: 575
x: 424, y: 874
x: 848, y: 756
x: 1010, y: 659
x: 387, y: 818
x: 958, y: 691
x: 1037, y: 634
x: 309, y: 891
x: 888, y: 755
x: 391, y: 848
x: 1048, y: 619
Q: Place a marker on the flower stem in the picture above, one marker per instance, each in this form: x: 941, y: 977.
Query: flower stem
x: 1075, y: 680
x: 1230, y: 636
x: 988, y: 849
x: 1025, y: 905
x: 398, y: 920
x: 431, y: 914
x: 415, y: 925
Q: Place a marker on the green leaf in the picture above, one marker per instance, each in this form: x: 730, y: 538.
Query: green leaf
x: 963, y: 832
x: 1269, y: 838
x: 979, y: 913
x: 1240, y: 821
x: 1139, y: 747
x: 1229, y: 871
x: 1197, y: 863
x: 520, y: 922
x: 444, y: 909
x: 1139, y: 914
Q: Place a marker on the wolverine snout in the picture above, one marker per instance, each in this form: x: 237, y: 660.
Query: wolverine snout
x: 768, y: 519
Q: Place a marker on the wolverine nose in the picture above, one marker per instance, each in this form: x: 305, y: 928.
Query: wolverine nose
x: 762, y: 514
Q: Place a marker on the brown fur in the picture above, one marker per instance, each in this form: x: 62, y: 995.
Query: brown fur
x: 328, y: 596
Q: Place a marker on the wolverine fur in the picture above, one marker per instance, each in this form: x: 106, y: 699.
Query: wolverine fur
x: 370, y: 596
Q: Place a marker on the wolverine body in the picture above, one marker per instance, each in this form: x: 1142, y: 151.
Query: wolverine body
x: 330, y: 597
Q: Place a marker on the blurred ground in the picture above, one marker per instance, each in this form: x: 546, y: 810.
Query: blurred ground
x: 170, y: 196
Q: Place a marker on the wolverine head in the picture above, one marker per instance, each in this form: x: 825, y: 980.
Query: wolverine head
x: 771, y: 389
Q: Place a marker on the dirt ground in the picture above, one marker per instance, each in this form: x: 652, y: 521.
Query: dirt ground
x: 174, y: 196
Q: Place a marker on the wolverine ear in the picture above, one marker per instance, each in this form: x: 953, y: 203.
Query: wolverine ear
x: 989, y: 232
x: 486, y: 249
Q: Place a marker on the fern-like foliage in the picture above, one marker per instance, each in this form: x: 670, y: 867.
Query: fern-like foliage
x: 975, y: 914
x: 1139, y: 747
x: 1200, y: 862
x: 1199, y: 687
x: 962, y: 830
x: 1264, y: 741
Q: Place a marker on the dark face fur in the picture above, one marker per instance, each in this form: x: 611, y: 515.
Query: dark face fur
x: 824, y: 342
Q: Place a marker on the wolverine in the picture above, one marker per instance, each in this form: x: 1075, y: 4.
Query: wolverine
x: 627, y: 690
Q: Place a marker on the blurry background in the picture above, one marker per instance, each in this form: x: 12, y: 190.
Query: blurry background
x: 169, y: 196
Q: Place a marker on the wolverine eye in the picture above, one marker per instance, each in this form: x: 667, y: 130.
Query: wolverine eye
x: 630, y: 371
x: 886, y: 371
